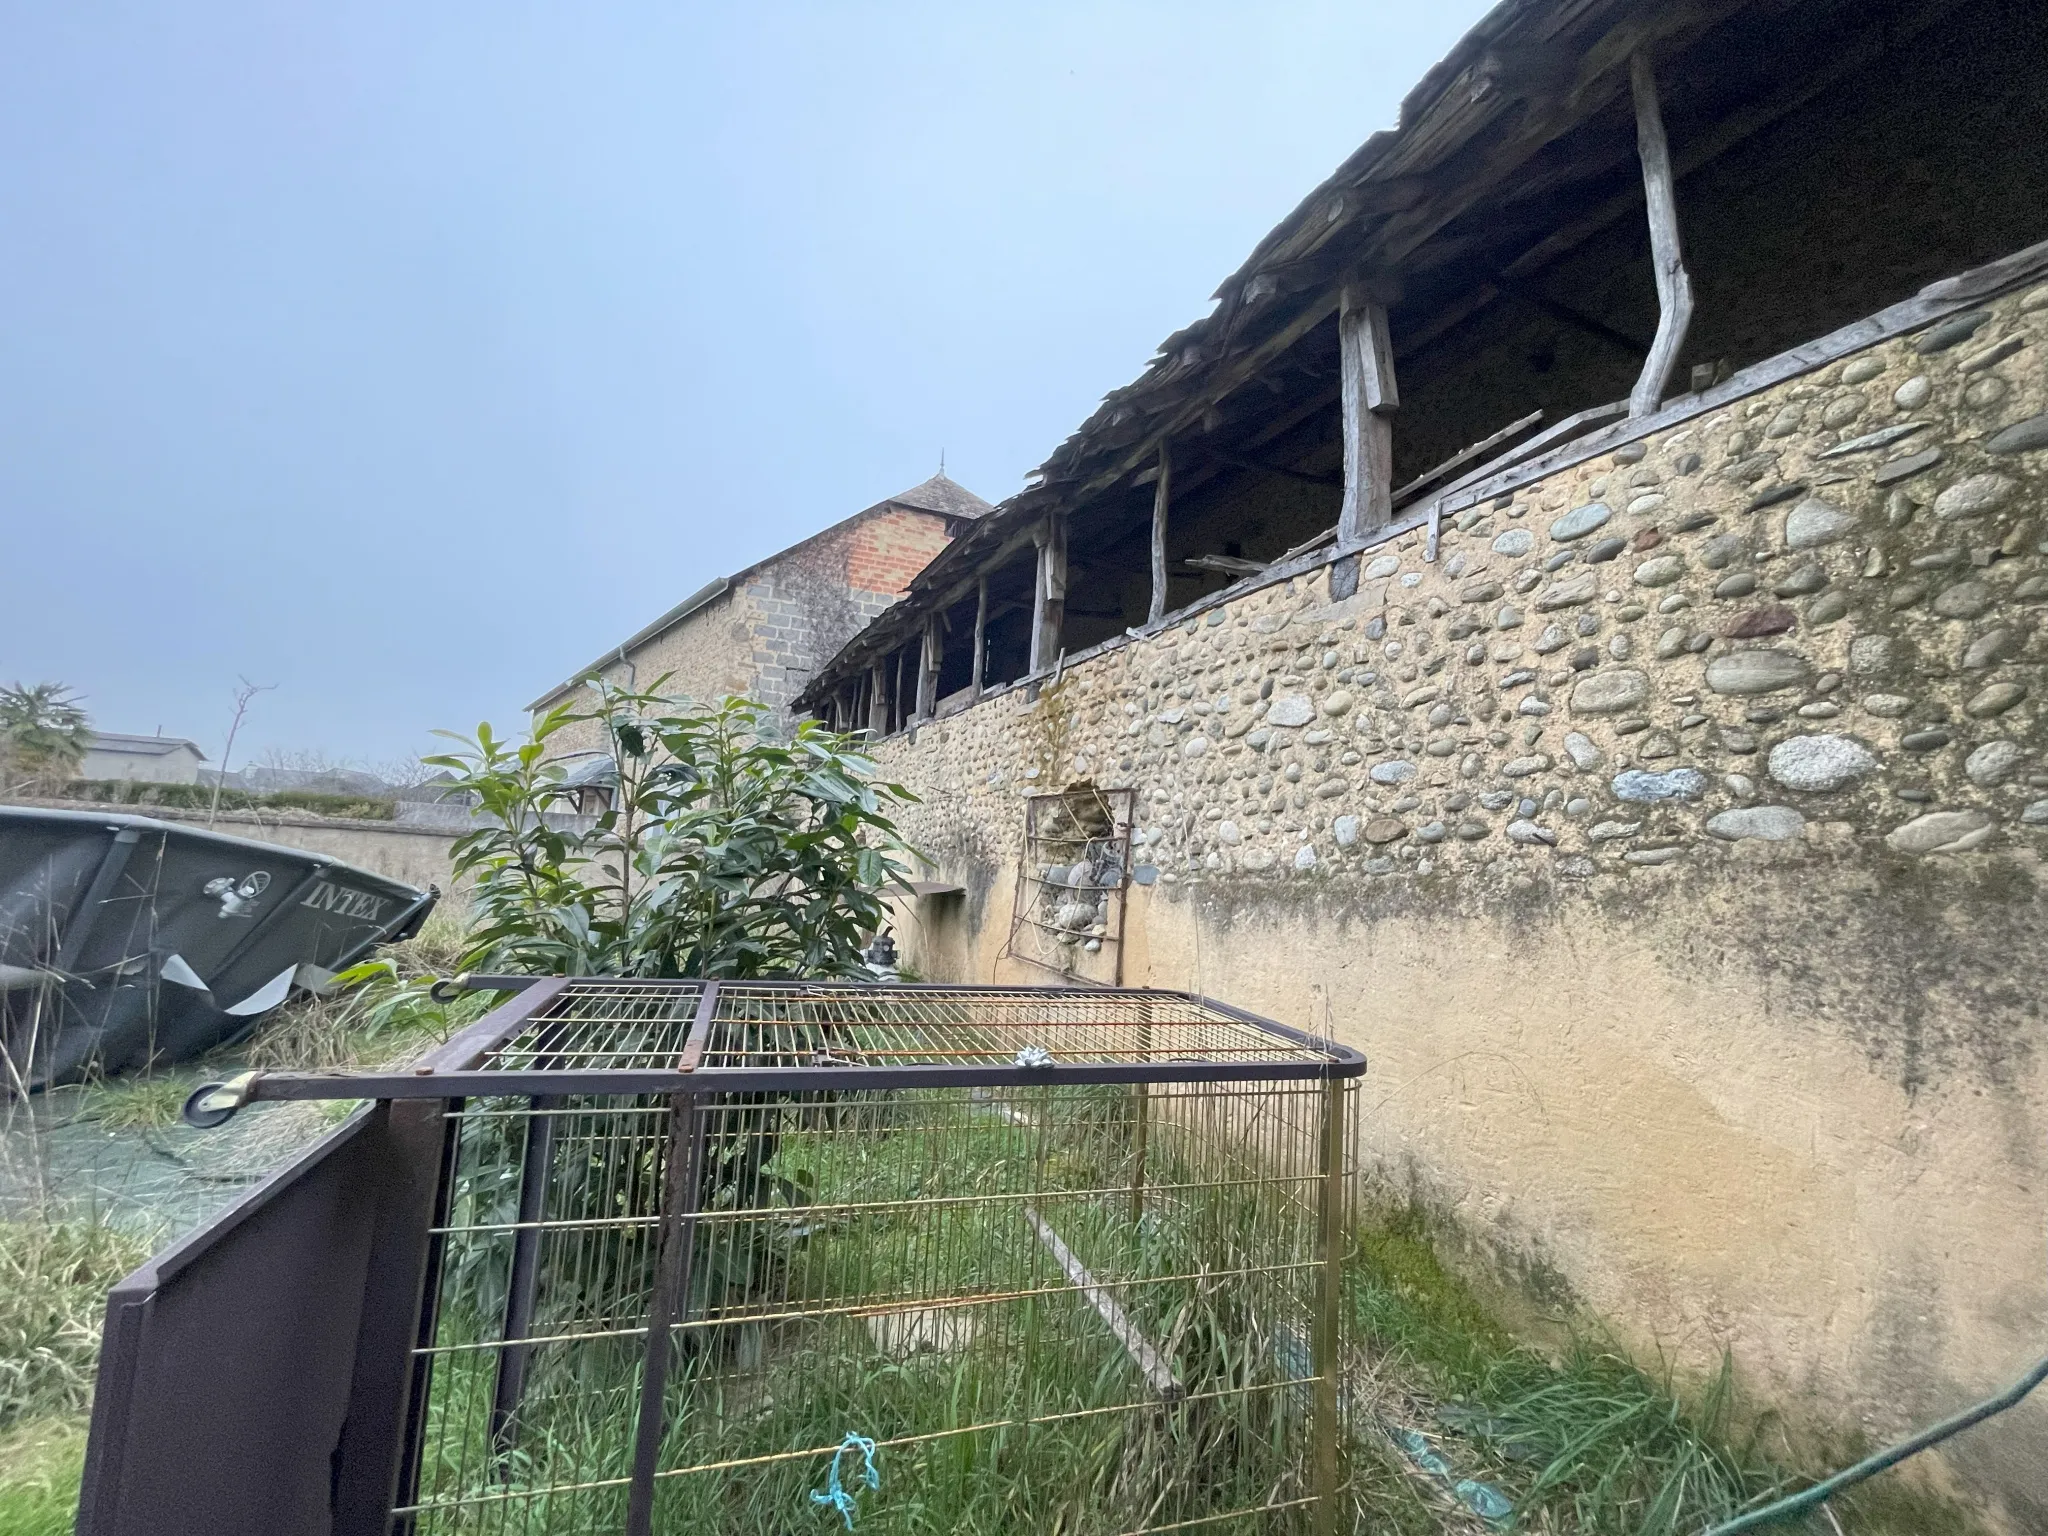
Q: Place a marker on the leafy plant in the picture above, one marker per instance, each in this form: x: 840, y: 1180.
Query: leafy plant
x: 44, y: 732
x: 724, y: 851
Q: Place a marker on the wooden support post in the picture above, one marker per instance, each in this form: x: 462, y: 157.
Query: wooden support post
x: 1049, y: 599
x: 898, y: 715
x: 1674, y: 287
x: 928, y: 667
x: 1162, y: 498
x: 1368, y: 395
x: 975, y: 677
x: 878, y: 705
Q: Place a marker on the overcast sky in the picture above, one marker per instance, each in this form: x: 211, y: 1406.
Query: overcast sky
x: 404, y: 356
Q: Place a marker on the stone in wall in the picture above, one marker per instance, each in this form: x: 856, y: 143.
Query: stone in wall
x: 1812, y: 617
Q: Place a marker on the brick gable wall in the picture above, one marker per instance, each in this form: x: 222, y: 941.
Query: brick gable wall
x: 791, y: 615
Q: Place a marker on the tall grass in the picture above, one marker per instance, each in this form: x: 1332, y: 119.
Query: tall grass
x: 54, y: 1278
x: 1014, y: 1408
x: 149, y: 1103
x: 381, y: 1022
x: 40, y: 1466
x: 1583, y: 1441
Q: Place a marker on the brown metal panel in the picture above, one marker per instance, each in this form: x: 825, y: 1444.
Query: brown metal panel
x: 366, y: 1463
x: 465, y: 1047
x: 228, y: 1359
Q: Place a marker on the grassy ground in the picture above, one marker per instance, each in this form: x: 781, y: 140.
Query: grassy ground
x: 54, y: 1278
x: 1585, y: 1442
x: 39, y: 1468
x: 1460, y: 1427
x: 1580, y: 1436
x: 59, y: 1256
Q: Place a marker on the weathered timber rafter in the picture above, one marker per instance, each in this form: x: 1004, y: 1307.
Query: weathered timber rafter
x: 1674, y: 284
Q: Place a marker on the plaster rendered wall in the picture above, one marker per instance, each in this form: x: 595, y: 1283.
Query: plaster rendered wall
x: 179, y: 767
x: 1674, y: 849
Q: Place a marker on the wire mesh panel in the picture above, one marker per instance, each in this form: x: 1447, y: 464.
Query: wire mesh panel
x: 1037, y: 1258
x: 1068, y: 914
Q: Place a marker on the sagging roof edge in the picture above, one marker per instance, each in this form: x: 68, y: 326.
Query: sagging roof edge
x: 1945, y: 296
x: 1455, y: 99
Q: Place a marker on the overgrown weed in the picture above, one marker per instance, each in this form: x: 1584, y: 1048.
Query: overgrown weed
x: 385, y: 1016
x: 40, y: 1467
x: 54, y: 1278
x: 148, y: 1103
x: 1588, y: 1441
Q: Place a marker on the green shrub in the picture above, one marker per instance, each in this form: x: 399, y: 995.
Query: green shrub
x: 724, y: 852
x: 199, y: 797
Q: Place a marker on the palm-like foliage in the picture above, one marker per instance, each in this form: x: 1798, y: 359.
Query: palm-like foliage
x: 44, y: 732
x: 725, y: 852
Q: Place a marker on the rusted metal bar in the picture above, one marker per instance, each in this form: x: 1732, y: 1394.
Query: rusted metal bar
x: 673, y: 1265
x: 1324, y: 1344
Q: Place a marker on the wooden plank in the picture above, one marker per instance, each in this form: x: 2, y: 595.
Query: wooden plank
x: 1578, y: 421
x: 1466, y: 455
x: 1049, y: 597
x: 1367, y: 393
x: 1674, y: 286
x: 878, y: 709
x: 928, y: 667
x: 1151, y: 1364
x: 1226, y: 565
x: 1162, y: 496
x: 979, y: 670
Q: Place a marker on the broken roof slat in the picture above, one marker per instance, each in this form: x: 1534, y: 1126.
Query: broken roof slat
x: 1524, y: 75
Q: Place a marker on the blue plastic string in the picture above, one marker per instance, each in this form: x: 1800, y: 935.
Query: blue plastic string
x: 835, y: 1495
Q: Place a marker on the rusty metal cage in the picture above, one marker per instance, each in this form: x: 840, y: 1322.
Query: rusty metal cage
x: 702, y: 1254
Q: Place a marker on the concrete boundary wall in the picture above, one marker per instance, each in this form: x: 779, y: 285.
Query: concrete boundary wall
x: 416, y: 855
x: 1673, y: 847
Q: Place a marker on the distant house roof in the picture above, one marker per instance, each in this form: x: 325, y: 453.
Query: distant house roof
x: 140, y: 746
x: 939, y: 495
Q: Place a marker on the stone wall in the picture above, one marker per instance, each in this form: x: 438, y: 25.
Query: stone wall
x: 1673, y: 847
x: 784, y: 618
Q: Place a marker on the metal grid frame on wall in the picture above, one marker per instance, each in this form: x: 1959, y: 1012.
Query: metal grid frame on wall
x: 1073, y: 876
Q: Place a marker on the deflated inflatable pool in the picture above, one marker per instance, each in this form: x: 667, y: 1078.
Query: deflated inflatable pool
x: 126, y: 941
